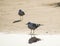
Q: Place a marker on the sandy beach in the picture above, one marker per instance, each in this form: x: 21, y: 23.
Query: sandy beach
x: 35, y: 11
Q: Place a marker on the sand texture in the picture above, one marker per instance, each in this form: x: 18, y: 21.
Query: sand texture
x: 35, y: 11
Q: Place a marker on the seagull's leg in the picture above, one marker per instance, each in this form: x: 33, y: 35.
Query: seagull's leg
x: 21, y: 17
x: 32, y: 35
x: 31, y: 31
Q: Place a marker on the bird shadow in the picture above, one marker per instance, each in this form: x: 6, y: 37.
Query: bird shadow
x: 53, y: 4
x: 16, y: 21
x: 33, y: 40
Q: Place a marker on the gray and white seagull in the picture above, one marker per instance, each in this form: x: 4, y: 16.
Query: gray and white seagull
x: 21, y: 13
x: 32, y: 26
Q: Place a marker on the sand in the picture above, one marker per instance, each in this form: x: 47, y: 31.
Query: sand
x: 35, y: 11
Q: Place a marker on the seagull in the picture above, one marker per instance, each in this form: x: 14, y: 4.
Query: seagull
x: 32, y: 26
x: 21, y: 14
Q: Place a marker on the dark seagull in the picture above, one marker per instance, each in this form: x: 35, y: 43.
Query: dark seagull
x: 21, y: 14
x: 33, y: 26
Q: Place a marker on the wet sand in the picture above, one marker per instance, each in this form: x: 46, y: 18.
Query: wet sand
x: 35, y: 11
x: 22, y: 40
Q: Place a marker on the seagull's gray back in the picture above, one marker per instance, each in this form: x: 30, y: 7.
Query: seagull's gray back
x: 33, y: 26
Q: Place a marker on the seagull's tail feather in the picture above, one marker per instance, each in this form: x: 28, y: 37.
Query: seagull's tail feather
x: 38, y: 25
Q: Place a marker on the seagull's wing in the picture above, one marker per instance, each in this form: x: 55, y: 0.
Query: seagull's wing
x: 21, y: 12
x: 34, y: 25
